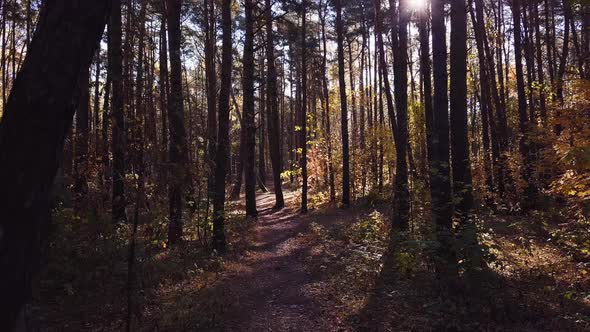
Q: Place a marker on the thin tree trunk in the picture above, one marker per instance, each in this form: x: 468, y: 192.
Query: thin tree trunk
x: 119, y: 141
x: 343, y: 106
x: 222, y: 152
x: 523, y: 119
x: 272, y: 108
x: 326, y: 98
x: 248, y: 114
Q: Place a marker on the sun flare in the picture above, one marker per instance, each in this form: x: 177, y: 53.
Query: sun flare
x: 417, y: 4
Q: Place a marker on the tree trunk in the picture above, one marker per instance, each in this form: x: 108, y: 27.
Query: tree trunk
x: 326, y: 98
x: 222, y: 152
x: 178, y: 153
x: 37, y: 116
x: 343, y: 106
x: 442, y: 208
x: 272, y: 108
x: 303, y: 139
x: 211, y: 79
x: 401, y: 198
x: 425, y: 72
x: 119, y: 141
x: 523, y: 119
x: 458, y: 101
x: 248, y: 114
x: 485, y: 102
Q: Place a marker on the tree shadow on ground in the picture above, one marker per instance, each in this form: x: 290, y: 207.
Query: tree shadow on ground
x: 483, y: 301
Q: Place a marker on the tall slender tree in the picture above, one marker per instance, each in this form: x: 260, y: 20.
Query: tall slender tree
x: 400, y: 62
x: 178, y: 154
x: 461, y: 165
x: 249, y: 137
x: 343, y: 106
x: 272, y: 109
x: 440, y: 174
x: 119, y: 141
x: 222, y: 152
x: 523, y: 119
x: 303, y: 139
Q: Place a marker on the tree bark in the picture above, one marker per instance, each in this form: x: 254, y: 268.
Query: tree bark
x: 248, y: 114
x: 401, y: 200
x: 343, y: 106
x: 119, y: 140
x: 222, y: 152
x: 272, y: 109
x: 37, y: 116
x: 523, y: 119
x: 178, y: 153
x: 440, y: 175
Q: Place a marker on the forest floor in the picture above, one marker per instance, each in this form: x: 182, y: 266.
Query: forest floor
x: 326, y: 271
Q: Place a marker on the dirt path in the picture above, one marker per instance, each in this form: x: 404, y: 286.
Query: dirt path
x: 266, y: 289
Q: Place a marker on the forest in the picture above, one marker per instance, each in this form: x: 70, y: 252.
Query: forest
x: 295, y: 165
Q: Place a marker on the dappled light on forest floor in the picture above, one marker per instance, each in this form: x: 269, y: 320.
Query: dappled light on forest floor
x: 331, y: 269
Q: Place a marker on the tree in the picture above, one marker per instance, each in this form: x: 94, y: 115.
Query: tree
x: 249, y: 142
x: 523, y: 120
x: 178, y: 156
x: 400, y: 62
x: 458, y: 97
x: 119, y: 141
x: 272, y: 109
x: 440, y: 175
x: 326, y: 98
x: 304, y: 106
x: 36, y: 119
x: 222, y: 152
x: 343, y: 108
x: 426, y: 72
x: 211, y: 82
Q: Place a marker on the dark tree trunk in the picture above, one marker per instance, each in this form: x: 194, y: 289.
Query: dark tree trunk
x: 303, y: 139
x: 248, y: 114
x: 36, y: 119
x: 401, y: 200
x: 178, y: 154
x: 163, y: 83
x: 326, y: 99
x: 119, y: 141
x: 523, y: 119
x: 499, y: 125
x: 272, y: 108
x: 343, y: 107
x: 211, y: 79
x: 425, y: 72
x: 461, y: 166
x: 383, y: 78
x: 440, y: 175
x: 485, y: 102
x: 222, y: 152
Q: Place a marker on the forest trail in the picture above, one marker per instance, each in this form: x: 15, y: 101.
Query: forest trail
x: 267, y: 289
